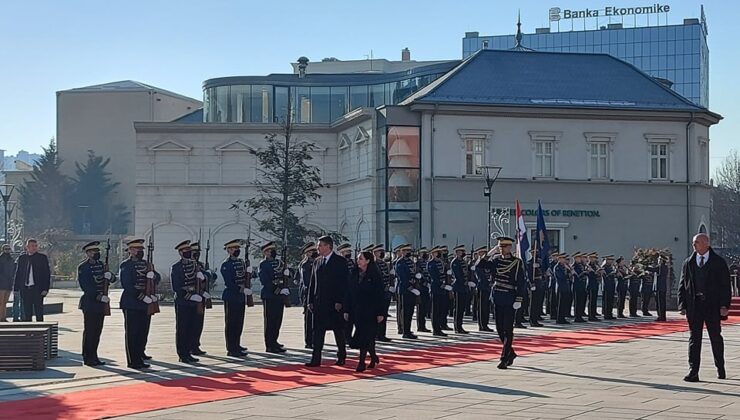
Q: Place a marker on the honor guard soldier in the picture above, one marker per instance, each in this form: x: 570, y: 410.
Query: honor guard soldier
x: 552, y: 297
x: 610, y: 284
x: 272, y: 274
x: 186, y: 276
x: 423, y: 285
x: 580, y: 284
x: 634, y: 288
x: 304, y: 278
x: 440, y: 291
x: 345, y: 251
x: 622, y: 286
x: 136, y: 273
x: 483, y: 291
x: 562, y: 288
x: 397, y: 254
x: 646, y: 289
x: 237, y: 275
x: 536, y: 291
x: 661, y: 286
x: 94, y: 279
x: 209, y: 278
x: 509, y: 284
x: 389, y: 290
x: 407, y: 290
x: 461, y: 286
x: 592, y: 286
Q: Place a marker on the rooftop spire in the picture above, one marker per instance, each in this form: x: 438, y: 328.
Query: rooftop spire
x: 518, y: 38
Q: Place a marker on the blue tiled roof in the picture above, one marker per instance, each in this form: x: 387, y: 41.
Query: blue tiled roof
x: 549, y: 79
x: 192, y: 117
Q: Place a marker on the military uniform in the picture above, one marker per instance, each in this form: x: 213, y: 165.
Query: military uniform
x: 594, y: 276
x: 661, y: 289
x: 646, y: 290
x: 388, y: 290
x: 552, y: 296
x: 622, y: 287
x: 440, y: 292
x: 304, y: 278
x: 461, y: 287
x: 580, y: 283
x: 205, y: 287
x: 237, y: 275
x: 483, y: 290
x: 274, y: 296
x: 95, y: 303
x: 424, y: 283
x: 634, y: 290
x: 189, y: 303
x: 407, y: 291
x: 537, y: 294
x: 563, y: 289
x: 609, y: 288
x: 135, y: 274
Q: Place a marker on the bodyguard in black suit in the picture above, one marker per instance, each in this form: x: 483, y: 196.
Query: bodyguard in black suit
x: 93, y: 279
x: 704, y: 297
x: 326, y: 294
x: 32, y: 280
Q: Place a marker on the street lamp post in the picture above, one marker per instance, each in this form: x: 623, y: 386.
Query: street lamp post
x: 491, y: 173
x: 6, y: 190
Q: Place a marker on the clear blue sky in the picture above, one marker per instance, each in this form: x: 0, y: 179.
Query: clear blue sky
x: 47, y: 46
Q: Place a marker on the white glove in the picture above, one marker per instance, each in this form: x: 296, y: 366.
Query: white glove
x: 150, y: 275
x: 449, y: 272
x: 104, y: 299
x: 448, y: 287
x: 200, y: 276
x: 108, y: 275
x: 249, y: 269
x: 416, y: 292
x: 285, y: 292
x: 472, y: 268
x: 154, y: 298
x: 286, y: 272
x: 196, y: 298
x: 533, y: 288
x: 392, y: 289
x: 206, y: 295
x: 517, y: 305
x: 471, y: 284
x: 147, y: 300
x: 393, y: 272
x: 247, y: 292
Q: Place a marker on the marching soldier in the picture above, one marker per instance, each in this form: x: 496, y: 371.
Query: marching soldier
x: 94, y: 279
x: 272, y: 275
x: 646, y: 290
x: 562, y: 288
x: 509, y: 286
x: 423, y: 286
x: 622, y: 286
x: 634, y: 288
x: 304, y: 277
x: 237, y: 275
x: 483, y: 292
x: 537, y: 293
x: 345, y: 250
x: 461, y: 286
x: 389, y: 290
x: 580, y: 280
x: 594, y: 275
x: 607, y: 299
x: 407, y: 290
x: 189, y: 303
x: 440, y: 291
x: 209, y: 277
x: 136, y: 272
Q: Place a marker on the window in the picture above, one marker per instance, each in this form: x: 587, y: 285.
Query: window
x: 543, y: 158
x: 659, y: 161
x: 474, y: 157
x: 599, y: 160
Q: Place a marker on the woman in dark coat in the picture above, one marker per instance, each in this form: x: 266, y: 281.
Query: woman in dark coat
x: 365, y: 306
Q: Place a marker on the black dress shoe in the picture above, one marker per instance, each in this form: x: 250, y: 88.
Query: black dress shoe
x: 609, y: 317
x: 242, y: 348
x: 563, y: 322
x: 439, y: 334
x: 239, y: 354
x: 93, y: 363
x: 593, y: 318
x: 579, y: 320
x: 145, y: 357
x: 308, y: 346
x: 485, y: 329
x: 312, y: 364
x: 461, y: 331
x: 621, y: 316
x: 280, y: 345
x: 520, y: 325
x: 189, y: 360
x: 339, y: 362
x: 646, y: 314
x: 424, y: 330
x: 277, y: 350
x: 197, y: 352
x: 446, y: 328
x: 511, y: 360
x: 409, y: 336
x: 691, y: 377
x: 536, y: 324
x: 502, y: 365
x: 360, y: 367
x: 385, y: 339
x: 140, y: 367
x: 721, y: 374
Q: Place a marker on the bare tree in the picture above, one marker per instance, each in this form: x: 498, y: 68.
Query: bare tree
x: 726, y: 203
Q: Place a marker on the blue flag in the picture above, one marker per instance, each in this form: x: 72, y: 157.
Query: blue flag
x: 542, y: 244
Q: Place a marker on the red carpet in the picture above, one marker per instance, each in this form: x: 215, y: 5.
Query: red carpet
x: 137, y: 398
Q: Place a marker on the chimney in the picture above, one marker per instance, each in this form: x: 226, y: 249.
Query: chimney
x: 405, y: 54
x: 302, y: 64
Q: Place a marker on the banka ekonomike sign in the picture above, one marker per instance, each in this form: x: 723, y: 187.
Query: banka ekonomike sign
x: 610, y: 11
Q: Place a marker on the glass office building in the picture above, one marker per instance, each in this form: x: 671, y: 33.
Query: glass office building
x: 675, y: 53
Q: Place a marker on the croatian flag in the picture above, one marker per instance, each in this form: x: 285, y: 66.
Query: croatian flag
x: 522, y: 242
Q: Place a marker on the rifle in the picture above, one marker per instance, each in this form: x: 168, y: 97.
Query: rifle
x: 209, y: 301
x: 199, y: 307
x: 106, y: 310
x: 250, y: 298
x: 283, y: 267
x: 151, y: 288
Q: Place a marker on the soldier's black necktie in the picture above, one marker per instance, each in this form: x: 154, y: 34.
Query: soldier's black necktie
x: 701, y: 261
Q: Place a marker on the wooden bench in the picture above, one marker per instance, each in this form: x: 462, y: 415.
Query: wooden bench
x: 23, y: 348
x: 51, y: 346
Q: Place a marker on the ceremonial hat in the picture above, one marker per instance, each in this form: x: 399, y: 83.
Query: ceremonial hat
x: 195, y: 246
x: 234, y: 243
x: 135, y: 243
x: 577, y: 254
x: 442, y: 248
x: 379, y: 247
x: 345, y: 247
x: 422, y: 250
x: 459, y: 248
x: 434, y: 249
x: 267, y: 246
x: 505, y: 240
x: 182, y: 245
x: 608, y: 257
x: 620, y: 259
x: 94, y: 245
x: 309, y: 247
x: 368, y: 248
x: 563, y: 255
x: 481, y: 249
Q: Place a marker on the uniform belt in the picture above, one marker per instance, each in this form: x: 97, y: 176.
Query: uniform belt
x: 505, y: 286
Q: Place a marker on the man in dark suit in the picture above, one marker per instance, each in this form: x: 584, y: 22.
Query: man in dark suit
x: 327, y: 291
x: 704, y: 297
x: 32, y: 280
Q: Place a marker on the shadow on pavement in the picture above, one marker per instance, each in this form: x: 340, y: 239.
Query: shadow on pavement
x: 410, y: 377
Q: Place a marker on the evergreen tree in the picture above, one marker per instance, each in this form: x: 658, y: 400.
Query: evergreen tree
x: 45, y: 197
x: 94, y: 212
